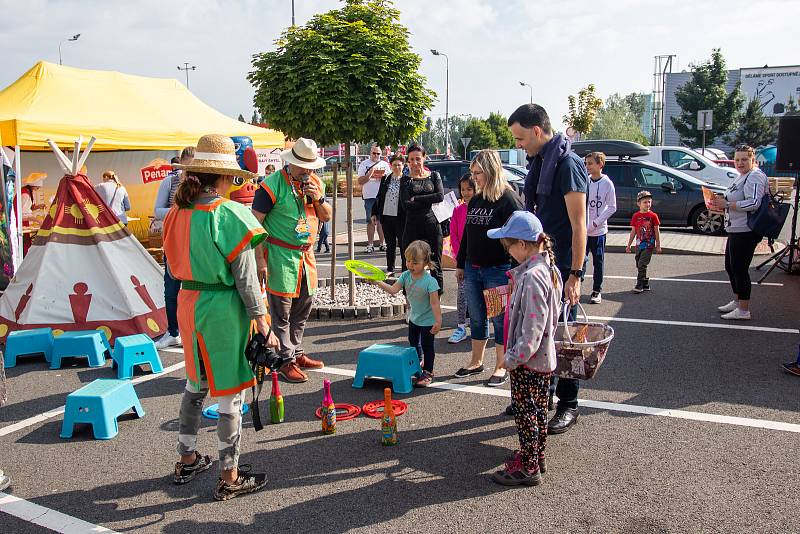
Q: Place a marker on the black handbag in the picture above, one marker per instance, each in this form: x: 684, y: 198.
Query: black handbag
x: 768, y: 219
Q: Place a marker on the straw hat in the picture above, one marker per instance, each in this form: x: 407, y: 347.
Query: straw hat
x: 215, y: 154
x: 304, y: 154
x: 35, y: 179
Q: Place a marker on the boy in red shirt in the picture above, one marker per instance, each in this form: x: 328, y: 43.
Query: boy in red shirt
x: 645, y: 227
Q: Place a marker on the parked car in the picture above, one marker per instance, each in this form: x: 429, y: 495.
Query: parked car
x: 712, y: 153
x: 453, y: 169
x: 677, y: 196
x: 690, y: 162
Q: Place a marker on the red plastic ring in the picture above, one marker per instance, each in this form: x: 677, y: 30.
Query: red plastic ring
x: 374, y: 409
x: 344, y: 412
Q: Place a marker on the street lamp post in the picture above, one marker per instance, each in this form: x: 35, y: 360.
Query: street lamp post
x: 446, y: 99
x: 73, y: 38
x: 292, y: 12
x: 529, y: 87
x: 187, y: 68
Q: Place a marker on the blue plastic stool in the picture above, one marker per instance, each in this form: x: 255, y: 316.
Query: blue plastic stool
x: 212, y: 412
x: 391, y: 362
x: 28, y: 342
x: 134, y: 350
x: 84, y: 343
x: 99, y: 404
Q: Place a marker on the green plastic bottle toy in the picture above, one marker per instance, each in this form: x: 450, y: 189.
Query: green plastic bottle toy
x: 276, y: 400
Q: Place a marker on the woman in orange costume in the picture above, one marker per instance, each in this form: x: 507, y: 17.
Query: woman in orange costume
x: 209, y: 243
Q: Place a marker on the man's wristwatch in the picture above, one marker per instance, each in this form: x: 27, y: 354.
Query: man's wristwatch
x: 320, y: 200
x: 577, y: 273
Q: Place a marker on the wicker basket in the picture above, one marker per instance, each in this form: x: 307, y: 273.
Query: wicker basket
x: 581, y: 346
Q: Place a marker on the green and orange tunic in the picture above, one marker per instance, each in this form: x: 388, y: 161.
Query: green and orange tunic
x: 200, y: 243
x: 289, y: 255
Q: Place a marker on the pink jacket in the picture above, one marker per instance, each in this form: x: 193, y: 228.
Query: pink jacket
x: 457, y: 223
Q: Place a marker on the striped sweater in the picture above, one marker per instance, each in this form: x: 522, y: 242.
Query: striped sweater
x: 747, y: 191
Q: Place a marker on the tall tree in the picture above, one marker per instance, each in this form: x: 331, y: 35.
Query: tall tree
x: 618, y: 119
x: 254, y: 119
x: 755, y: 129
x: 481, y: 134
x: 499, y: 126
x: 706, y: 90
x: 241, y: 118
x: 347, y: 75
x: 583, y: 110
x: 791, y: 106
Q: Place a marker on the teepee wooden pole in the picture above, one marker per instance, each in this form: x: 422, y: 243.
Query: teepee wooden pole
x: 60, y: 157
x: 86, y: 153
x: 75, y: 155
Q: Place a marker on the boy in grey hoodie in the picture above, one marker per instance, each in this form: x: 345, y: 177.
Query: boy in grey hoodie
x: 602, y: 203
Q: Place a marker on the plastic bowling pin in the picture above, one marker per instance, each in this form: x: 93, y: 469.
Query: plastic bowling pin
x: 328, y: 410
x: 276, y: 400
x: 389, y: 421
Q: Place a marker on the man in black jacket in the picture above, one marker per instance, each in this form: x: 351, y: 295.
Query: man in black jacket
x: 555, y: 190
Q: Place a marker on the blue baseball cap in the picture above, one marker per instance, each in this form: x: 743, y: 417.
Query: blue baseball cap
x: 521, y: 225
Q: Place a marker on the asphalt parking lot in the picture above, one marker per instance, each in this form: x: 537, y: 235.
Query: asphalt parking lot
x: 689, y: 426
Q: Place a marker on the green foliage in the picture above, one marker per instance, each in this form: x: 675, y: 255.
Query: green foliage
x: 481, y: 134
x: 347, y: 75
x: 241, y: 118
x: 255, y: 118
x: 755, y: 129
x: 791, y: 106
x: 706, y: 90
x: 619, y: 118
x: 499, y: 126
x: 583, y: 109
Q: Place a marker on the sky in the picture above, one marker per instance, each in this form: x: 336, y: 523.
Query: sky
x: 557, y: 47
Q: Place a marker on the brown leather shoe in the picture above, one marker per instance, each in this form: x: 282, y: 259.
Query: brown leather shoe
x: 292, y: 373
x: 307, y: 363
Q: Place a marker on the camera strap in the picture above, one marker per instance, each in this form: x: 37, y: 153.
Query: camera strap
x: 259, y: 370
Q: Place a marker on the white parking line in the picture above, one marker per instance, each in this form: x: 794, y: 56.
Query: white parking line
x: 611, y: 406
x: 681, y: 323
x: 46, y: 517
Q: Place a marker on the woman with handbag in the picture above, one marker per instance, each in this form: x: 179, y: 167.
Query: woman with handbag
x: 209, y: 242
x: 114, y: 195
x: 743, y: 196
x: 482, y: 263
x: 388, y: 211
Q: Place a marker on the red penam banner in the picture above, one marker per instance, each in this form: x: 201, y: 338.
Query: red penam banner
x: 155, y: 173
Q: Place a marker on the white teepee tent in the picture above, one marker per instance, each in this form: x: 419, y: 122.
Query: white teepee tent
x: 84, y: 270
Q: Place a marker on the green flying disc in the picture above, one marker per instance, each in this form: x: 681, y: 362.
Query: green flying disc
x: 365, y: 270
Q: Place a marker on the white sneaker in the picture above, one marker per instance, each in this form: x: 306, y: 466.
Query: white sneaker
x: 737, y: 315
x: 167, y: 341
x: 729, y: 307
x: 596, y: 298
x: 370, y: 249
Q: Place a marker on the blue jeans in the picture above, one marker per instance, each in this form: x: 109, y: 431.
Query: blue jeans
x: 171, y: 289
x: 476, y: 279
x: 596, y: 246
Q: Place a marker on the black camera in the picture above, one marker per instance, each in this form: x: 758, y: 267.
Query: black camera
x: 262, y: 356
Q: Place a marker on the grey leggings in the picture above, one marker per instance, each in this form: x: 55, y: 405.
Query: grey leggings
x: 229, y: 424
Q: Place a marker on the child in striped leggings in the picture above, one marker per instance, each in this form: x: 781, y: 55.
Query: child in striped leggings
x: 532, y: 314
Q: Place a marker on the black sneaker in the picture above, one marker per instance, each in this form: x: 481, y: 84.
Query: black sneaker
x: 638, y: 289
x: 510, y: 410
x: 646, y: 286
x: 496, y: 381
x: 186, y: 472
x: 464, y: 372
x: 246, y: 483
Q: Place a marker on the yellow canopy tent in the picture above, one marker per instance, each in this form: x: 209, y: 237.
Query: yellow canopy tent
x: 136, y: 120
x: 122, y: 111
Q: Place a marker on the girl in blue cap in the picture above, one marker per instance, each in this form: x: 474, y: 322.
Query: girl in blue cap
x: 532, y: 316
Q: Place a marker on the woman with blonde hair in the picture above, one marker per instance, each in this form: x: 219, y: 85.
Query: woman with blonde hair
x: 482, y: 262
x: 114, y: 195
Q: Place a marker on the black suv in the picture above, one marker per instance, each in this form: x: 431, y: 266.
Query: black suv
x: 677, y: 197
x: 452, y: 169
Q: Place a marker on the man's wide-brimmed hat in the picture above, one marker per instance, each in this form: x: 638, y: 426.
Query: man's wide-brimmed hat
x: 304, y: 154
x: 215, y: 154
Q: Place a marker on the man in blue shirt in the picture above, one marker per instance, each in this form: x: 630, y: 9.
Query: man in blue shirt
x: 555, y: 190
